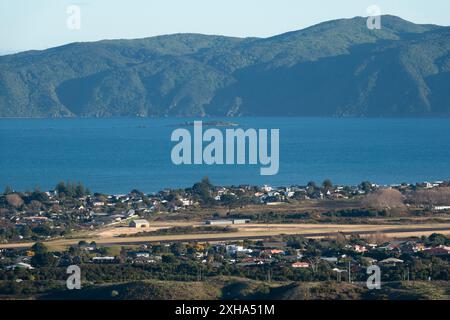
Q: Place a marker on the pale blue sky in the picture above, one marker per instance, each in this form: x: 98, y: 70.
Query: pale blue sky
x: 39, y: 24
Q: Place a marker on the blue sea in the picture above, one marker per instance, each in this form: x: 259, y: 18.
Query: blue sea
x: 119, y: 154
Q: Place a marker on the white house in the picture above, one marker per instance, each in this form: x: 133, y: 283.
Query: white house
x: 20, y: 265
x: 300, y: 265
x: 441, y: 208
x: 139, y: 223
x: 391, y: 261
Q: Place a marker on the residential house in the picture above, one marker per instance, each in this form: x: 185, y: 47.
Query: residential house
x: 300, y: 265
x: 359, y: 248
x: 391, y: 262
x: 104, y: 260
x: 330, y: 259
x: 438, y: 251
x: 20, y: 265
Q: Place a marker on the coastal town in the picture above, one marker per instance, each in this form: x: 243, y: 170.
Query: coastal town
x: 39, y: 215
x: 36, y: 271
x: 154, y: 236
x: 295, y: 252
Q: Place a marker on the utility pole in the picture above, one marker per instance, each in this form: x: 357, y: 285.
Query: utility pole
x: 269, y: 275
x: 349, y: 273
x: 338, y: 276
x: 199, y: 274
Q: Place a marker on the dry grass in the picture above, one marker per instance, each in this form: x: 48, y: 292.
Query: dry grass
x: 108, y: 237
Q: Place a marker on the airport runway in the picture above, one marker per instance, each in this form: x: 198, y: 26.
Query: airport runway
x: 394, y: 231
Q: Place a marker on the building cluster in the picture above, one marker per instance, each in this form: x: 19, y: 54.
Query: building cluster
x: 43, y: 215
x: 357, y: 254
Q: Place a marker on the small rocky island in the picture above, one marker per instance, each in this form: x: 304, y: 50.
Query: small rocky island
x: 207, y: 124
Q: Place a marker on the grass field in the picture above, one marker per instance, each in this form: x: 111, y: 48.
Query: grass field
x: 108, y: 237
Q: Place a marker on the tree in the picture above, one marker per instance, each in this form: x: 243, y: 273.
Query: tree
x: 207, y: 183
x: 311, y: 188
x: 25, y: 232
x: 437, y: 239
x: 314, y: 262
x: 178, y: 248
x: 385, y: 198
x: 14, y: 200
x: 169, y: 258
x: 366, y: 186
x: 136, y: 193
x: 438, y: 196
x: 8, y: 190
x: 327, y: 184
x: 172, y: 196
x: 203, y: 190
x: 35, y: 205
x: 38, y: 195
x: 43, y: 230
x: 46, y: 259
x: 39, y: 247
x: 82, y: 243
x: 229, y: 200
x: 341, y: 239
x: 70, y: 189
x: 61, y: 188
x: 312, y: 184
x: 79, y: 190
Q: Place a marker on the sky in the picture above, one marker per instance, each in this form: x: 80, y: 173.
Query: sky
x: 41, y: 24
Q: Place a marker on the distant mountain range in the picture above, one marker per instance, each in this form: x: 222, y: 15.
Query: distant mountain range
x: 336, y: 68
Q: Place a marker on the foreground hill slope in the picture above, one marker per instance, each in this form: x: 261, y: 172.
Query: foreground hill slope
x: 244, y: 289
x: 336, y: 68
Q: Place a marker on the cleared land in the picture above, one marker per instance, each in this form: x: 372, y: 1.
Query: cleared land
x: 109, y: 237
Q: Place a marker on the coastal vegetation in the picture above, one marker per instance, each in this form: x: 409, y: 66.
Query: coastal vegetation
x: 182, y: 230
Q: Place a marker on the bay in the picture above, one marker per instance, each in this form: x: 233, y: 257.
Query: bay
x: 116, y: 155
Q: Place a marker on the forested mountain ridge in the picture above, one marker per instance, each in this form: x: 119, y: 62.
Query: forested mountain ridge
x: 336, y: 68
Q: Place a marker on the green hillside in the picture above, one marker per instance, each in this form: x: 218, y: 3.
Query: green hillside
x: 336, y: 68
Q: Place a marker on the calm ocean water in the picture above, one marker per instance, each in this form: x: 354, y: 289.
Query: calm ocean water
x: 117, y: 155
